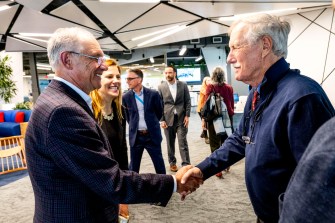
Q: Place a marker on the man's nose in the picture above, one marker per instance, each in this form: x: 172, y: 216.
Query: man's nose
x: 230, y: 58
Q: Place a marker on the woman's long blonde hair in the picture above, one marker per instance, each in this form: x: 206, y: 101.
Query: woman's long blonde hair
x: 97, y: 100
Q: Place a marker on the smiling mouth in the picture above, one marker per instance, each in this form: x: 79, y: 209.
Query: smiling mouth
x: 115, y: 88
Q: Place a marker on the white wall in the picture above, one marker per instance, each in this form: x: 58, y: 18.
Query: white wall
x: 312, y: 47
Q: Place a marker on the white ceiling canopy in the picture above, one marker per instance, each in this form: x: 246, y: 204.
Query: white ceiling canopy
x: 115, y: 25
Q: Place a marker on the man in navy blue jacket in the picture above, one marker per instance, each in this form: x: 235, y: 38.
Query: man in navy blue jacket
x: 283, y: 111
x: 144, y: 109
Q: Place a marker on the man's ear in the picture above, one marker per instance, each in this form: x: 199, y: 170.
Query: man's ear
x: 65, y: 58
x: 267, y: 45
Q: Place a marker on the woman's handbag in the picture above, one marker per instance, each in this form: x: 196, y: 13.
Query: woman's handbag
x: 219, y: 126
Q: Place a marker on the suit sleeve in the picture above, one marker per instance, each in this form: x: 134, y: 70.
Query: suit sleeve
x: 124, y: 143
x: 162, y: 101
x: 124, y: 103
x: 187, y: 101
x: 310, y: 194
x: 77, y: 145
x: 158, y: 105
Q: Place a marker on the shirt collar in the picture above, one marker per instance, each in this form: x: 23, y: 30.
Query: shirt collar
x: 174, y: 84
x: 141, y: 92
x: 82, y: 94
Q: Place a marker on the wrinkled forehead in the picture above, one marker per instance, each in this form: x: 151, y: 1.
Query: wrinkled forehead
x: 238, y: 34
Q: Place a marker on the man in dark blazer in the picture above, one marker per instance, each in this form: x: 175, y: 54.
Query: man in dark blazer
x: 177, y: 109
x: 74, y: 177
x: 144, y: 109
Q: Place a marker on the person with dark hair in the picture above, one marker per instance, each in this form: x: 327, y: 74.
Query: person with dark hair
x: 177, y: 109
x: 283, y: 111
x: 73, y: 172
x: 143, y: 111
x: 226, y: 91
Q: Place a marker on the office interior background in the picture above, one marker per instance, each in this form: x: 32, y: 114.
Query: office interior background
x: 151, y: 35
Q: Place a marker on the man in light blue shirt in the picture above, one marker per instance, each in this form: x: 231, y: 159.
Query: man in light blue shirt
x: 144, y: 109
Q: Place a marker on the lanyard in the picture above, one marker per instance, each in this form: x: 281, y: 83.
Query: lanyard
x: 139, y: 99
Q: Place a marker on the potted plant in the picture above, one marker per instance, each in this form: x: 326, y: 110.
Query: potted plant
x: 7, y: 85
x: 23, y: 106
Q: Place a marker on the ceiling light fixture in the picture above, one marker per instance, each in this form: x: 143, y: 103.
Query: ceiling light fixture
x: 162, y: 35
x: 235, y: 17
x: 36, y: 34
x: 182, y: 50
x: 132, y: 1
x: 29, y: 38
x: 154, y: 33
x: 198, y: 58
x: 152, y: 60
x: 5, y: 7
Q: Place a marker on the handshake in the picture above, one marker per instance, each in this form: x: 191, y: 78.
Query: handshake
x: 188, y: 178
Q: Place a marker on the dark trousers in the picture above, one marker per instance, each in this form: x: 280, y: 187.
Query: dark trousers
x: 204, y: 131
x: 155, y: 152
x: 180, y: 131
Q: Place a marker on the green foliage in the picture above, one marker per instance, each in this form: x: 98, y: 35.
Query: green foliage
x: 23, y: 106
x: 7, y: 86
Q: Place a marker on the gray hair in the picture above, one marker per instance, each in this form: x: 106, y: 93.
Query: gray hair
x: 218, y: 76
x: 66, y: 39
x: 266, y: 25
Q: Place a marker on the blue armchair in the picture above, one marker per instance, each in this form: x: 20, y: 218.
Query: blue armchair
x: 12, y: 120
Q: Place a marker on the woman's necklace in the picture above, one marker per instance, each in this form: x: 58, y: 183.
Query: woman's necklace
x: 108, y: 117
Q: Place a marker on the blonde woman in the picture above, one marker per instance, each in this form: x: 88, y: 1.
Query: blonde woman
x: 108, y: 111
x: 202, y: 99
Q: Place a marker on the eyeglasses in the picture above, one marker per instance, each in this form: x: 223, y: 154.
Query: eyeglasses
x: 130, y: 78
x: 101, y: 60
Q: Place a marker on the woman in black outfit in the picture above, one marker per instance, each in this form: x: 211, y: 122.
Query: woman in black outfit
x: 109, y: 113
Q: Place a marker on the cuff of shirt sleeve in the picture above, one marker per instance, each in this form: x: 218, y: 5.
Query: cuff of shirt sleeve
x: 175, y: 184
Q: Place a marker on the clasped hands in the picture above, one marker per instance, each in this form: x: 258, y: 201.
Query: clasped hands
x: 188, y: 178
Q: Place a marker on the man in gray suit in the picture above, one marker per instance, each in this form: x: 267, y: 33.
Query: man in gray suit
x: 177, y: 108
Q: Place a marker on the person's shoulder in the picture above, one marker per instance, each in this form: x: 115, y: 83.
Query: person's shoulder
x: 162, y: 84
x: 150, y: 90
x: 296, y: 82
x: 127, y: 94
x: 181, y: 82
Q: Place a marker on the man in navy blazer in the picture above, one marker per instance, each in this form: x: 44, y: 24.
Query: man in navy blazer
x: 144, y: 109
x: 74, y: 177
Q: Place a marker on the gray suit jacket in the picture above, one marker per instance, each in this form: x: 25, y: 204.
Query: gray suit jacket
x: 182, y: 103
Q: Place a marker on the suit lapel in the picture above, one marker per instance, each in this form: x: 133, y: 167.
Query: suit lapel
x: 145, y: 97
x: 133, y: 101
x: 167, y: 88
x: 72, y: 94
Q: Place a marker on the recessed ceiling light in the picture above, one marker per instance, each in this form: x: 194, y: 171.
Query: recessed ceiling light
x: 182, y: 50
